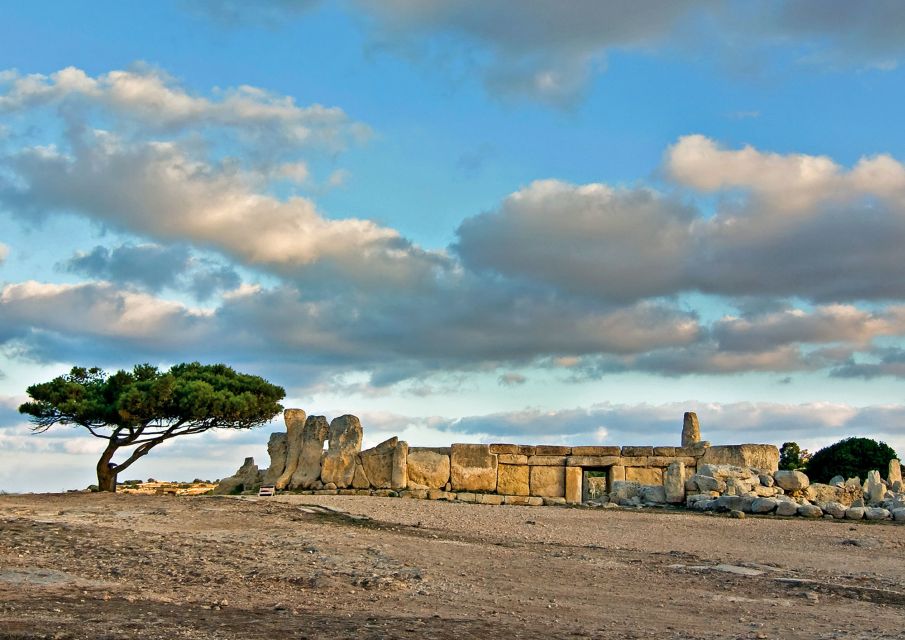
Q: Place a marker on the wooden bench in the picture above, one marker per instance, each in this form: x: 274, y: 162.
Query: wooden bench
x: 267, y: 490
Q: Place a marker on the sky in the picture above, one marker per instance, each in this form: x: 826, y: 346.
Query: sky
x: 463, y: 221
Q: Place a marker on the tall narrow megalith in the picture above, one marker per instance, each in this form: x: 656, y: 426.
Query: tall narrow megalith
x: 691, y: 429
x: 277, y: 449
x: 342, y: 451
x: 308, y: 470
x: 295, y: 421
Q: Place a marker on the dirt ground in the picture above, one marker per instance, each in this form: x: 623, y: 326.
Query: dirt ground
x: 121, y: 566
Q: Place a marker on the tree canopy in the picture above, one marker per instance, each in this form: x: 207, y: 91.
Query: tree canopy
x: 792, y: 457
x: 849, y: 458
x: 142, y: 408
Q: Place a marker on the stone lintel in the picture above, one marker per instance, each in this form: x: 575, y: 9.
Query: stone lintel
x: 551, y: 450
x: 596, y: 451
x: 637, y: 451
x: 592, y: 461
x: 547, y: 461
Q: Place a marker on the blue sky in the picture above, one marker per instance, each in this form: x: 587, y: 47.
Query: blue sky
x: 459, y: 220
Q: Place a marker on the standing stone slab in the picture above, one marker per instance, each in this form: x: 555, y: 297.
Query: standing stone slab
x: 616, y: 473
x: 359, y: 478
x: 427, y: 467
x: 295, y: 422
x: 573, y: 484
x: 512, y: 479
x: 875, y: 488
x: 399, y: 476
x: 473, y: 467
x: 548, y: 482
x: 308, y: 468
x: 691, y: 429
x: 277, y: 447
x: 895, y: 472
x: 377, y: 463
x: 674, y: 483
x: 344, y: 440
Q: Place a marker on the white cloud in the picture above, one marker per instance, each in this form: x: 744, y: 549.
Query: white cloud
x: 4, y: 252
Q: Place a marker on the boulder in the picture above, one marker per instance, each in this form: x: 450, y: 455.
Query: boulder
x: 622, y: 491
x: 473, y: 468
x: 377, y: 463
x: 835, y: 509
x: 277, y: 448
x: 898, y: 515
x: 854, y: 513
x: 245, y: 479
x: 791, y: 480
x: 786, y: 508
x: 735, y: 503
x: 691, y: 429
x: 818, y: 492
x: 295, y: 421
x: 344, y: 445
x: 764, y: 505
x: 307, y: 472
x: 428, y: 467
x: 547, y: 482
x: 895, y: 472
x: 708, y: 483
x: 766, y: 480
x: 810, y: 511
x: 837, y: 481
x: 674, y: 483
x: 512, y: 479
x: 652, y: 494
x: 874, y: 487
x: 876, y: 513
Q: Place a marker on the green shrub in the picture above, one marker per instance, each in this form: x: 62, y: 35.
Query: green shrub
x: 792, y: 457
x: 852, y: 457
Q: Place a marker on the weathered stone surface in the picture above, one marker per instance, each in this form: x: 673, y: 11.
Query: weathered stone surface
x: 818, y: 492
x: 526, y: 450
x: 295, y: 423
x: 592, y: 461
x: 344, y: 445
x: 473, y: 468
x: 791, y: 480
x: 547, y: 482
x: 652, y: 494
x: 837, y: 481
x: 488, y: 498
x: 691, y: 429
x: 307, y: 472
x: 616, y: 473
x: 573, y: 485
x: 874, y: 487
x: 465, y: 496
x: 876, y: 513
x: 359, y: 478
x: 637, y: 451
x: 810, y: 511
x: 596, y: 451
x: 898, y: 515
x: 765, y: 492
x: 835, y: 509
x: 644, y: 475
x: 668, y: 452
x: 895, y: 472
x: 417, y: 494
x: 764, y: 505
x: 522, y: 501
x: 728, y: 471
x: 735, y: 503
x: 786, y: 508
x: 623, y: 491
x: 277, y: 447
x: 766, y: 480
x: 551, y: 450
x: 399, y: 475
x: 244, y: 479
x: 428, y: 467
x: 854, y: 513
x: 635, y: 461
x: 512, y: 458
x: 547, y: 461
x: 708, y: 483
x: 512, y: 479
x: 674, y: 483
x: 504, y: 448
x: 758, y: 456
x: 378, y: 463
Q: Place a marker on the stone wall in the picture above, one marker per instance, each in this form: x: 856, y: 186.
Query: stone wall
x: 493, y: 473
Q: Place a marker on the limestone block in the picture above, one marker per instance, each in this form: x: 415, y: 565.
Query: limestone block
x: 764, y: 505
x: 818, y: 492
x: 549, y: 501
x: 765, y: 492
x: 417, y: 494
x: 399, y: 475
x: 665, y: 451
x: 876, y: 513
x: 635, y: 461
x: 810, y: 511
x: 517, y: 500
x: 512, y: 458
x: 295, y: 422
x: 504, y: 448
x: 786, y: 508
x: 791, y: 480
x: 573, y: 485
x: 596, y: 451
x: 378, y: 463
x: 344, y: 445
x: 635, y: 452
x: 674, y: 483
x: 428, y: 467
x: 465, y: 496
x: 652, y: 494
x: 759, y: 456
x: 898, y: 515
x: 592, y: 461
x: 895, y: 472
x: 691, y: 429
x: 835, y: 509
x: 854, y: 513
x: 874, y: 487
x: 488, y: 498
x: 644, y: 475
x: 547, y: 461
x: 277, y: 447
x: 616, y: 473
x: 551, y: 450
x: 244, y: 479
x: 660, y: 461
x: 359, y: 478
x: 766, y: 480
x: 526, y: 450
x: 473, y: 468
x: 708, y: 483
x: 735, y: 503
x: 622, y: 490
x: 512, y: 479
x: 547, y: 482
x: 307, y: 471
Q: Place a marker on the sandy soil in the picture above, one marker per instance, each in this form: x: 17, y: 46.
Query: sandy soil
x: 105, y: 566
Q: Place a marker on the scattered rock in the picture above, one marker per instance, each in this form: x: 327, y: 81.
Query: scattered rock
x: 791, y: 480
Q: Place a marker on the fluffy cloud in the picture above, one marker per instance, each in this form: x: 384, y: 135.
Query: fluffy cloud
x: 4, y: 252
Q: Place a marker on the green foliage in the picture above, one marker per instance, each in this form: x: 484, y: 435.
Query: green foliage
x: 144, y: 407
x: 852, y: 457
x: 792, y: 457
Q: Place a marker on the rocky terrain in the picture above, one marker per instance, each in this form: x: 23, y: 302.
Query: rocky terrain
x: 131, y: 566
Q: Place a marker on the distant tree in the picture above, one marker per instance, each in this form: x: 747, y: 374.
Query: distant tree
x: 792, y: 457
x: 139, y: 409
x: 849, y: 458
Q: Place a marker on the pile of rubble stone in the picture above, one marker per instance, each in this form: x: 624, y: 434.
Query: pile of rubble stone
x: 721, y: 487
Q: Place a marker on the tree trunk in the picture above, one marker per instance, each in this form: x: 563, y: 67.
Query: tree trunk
x: 106, y: 472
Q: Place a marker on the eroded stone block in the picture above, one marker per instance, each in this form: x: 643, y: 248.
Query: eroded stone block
x: 644, y: 475
x: 759, y: 456
x: 512, y: 479
x: 473, y: 468
x: 547, y: 482
x: 344, y: 445
x: 428, y: 467
x: 573, y: 479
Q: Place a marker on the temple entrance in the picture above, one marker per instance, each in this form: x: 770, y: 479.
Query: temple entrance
x: 594, y: 483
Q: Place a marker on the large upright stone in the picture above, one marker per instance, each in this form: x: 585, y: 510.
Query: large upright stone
x: 573, y: 486
x: 308, y: 465
x: 378, y: 463
x: 674, y: 483
x: 399, y: 475
x: 277, y: 448
x: 427, y: 468
x: 344, y: 444
x: 512, y: 479
x: 245, y: 479
x: 790, y: 480
x: 895, y: 472
x: 875, y: 488
x: 295, y: 422
x: 548, y: 482
x: 473, y: 467
x: 691, y: 429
